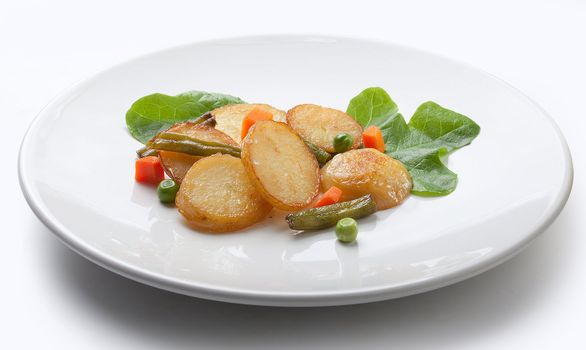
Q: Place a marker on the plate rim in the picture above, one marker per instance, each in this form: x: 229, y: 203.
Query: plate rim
x: 278, y: 298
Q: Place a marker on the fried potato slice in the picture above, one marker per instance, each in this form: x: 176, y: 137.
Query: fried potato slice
x: 203, y: 132
x: 281, y: 166
x: 363, y: 171
x: 319, y: 125
x: 217, y: 195
x: 177, y: 164
x: 229, y: 118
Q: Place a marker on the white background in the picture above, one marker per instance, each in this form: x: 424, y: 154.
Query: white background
x: 52, y: 298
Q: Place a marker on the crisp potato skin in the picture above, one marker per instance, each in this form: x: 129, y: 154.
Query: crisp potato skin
x: 363, y: 171
x: 320, y: 125
x: 202, y: 132
x: 229, y: 118
x: 281, y: 166
x: 177, y: 164
x: 216, y: 195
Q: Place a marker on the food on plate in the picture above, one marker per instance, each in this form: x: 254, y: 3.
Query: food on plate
x: 167, y: 141
x: 372, y: 137
x: 200, y: 130
x: 320, y: 155
x: 229, y: 118
x: 167, y: 191
x: 252, y: 117
x: 146, y: 152
x: 346, y: 230
x: 217, y: 195
x: 423, y: 143
x: 343, y: 142
x: 281, y: 166
x: 177, y: 164
x: 185, y: 143
x: 148, y: 170
x: 328, y: 216
x: 367, y: 171
x: 331, y: 196
x: 157, y: 112
x: 320, y: 125
x: 230, y: 163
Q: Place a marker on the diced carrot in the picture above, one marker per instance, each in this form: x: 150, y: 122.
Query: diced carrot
x: 332, y: 196
x: 252, y: 117
x: 372, y: 137
x: 149, y: 170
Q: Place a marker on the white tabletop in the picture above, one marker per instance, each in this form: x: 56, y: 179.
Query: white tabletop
x: 53, y: 298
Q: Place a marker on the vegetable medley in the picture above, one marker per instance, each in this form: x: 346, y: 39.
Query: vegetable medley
x: 229, y: 163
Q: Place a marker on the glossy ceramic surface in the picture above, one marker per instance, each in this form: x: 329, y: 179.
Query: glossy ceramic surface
x: 513, y: 180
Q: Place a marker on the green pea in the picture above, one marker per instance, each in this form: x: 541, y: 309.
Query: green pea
x: 347, y: 230
x: 167, y: 191
x: 343, y: 142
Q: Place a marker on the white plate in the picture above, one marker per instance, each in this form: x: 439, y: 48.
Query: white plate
x: 76, y: 171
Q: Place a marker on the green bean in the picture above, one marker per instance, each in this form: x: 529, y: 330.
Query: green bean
x: 146, y: 152
x: 165, y: 135
x: 329, y: 215
x: 168, y: 141
x: 321, y: 155
x: 205, y: 119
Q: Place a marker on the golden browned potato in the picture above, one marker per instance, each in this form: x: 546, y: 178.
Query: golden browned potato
x: 363, y: 171
x: 319, y: 125
x: 203, y: 132
x: 229, y: 118
x: 281, y: 166
x: 217, y: 195
x: 177, y: 164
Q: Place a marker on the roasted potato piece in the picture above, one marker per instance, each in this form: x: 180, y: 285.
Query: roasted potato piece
x: 217, y: 195
x: 319, y: 125
x: 202, y: 132
x: 229, y: 118
x: 177, y: 164
x: 280, y: 164
x: 363, y: 171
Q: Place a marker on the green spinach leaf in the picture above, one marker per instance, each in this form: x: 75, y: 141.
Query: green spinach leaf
x: 153, y: 113
x: 431, y: 134
x: 373, y: 106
